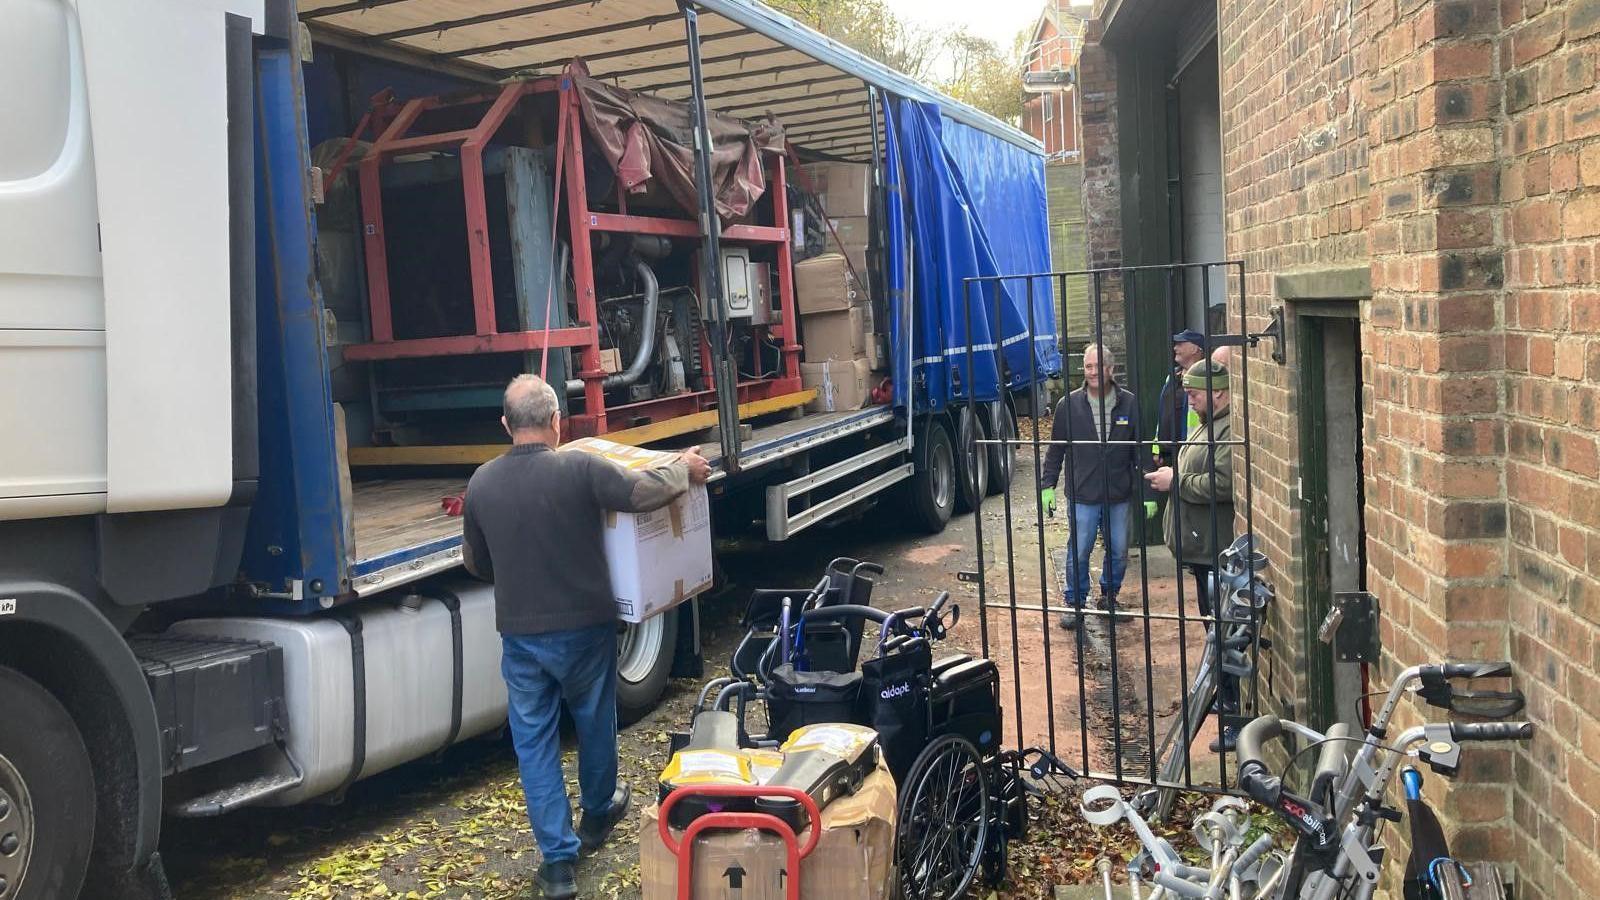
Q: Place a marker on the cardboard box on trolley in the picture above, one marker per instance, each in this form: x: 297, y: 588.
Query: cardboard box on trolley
x: 657, y: 559
x: 854, y: 857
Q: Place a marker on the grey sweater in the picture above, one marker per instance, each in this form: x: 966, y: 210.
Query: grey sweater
x: 534, y: 525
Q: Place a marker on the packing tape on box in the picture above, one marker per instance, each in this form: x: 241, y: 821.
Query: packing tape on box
x: 679, y: 594
x: 675, y: 518
x: 611, y: 518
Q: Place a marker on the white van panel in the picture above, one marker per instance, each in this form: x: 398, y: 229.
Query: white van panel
x: 157, y: 100
x: 52, y: 306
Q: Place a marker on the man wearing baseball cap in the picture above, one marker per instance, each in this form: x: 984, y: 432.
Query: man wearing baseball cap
x: 1199, y: 518
x: 1174, y: 415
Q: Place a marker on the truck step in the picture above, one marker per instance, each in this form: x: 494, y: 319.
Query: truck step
x: 214, y: 697
x: 235, y: 795
x: 781, y: 525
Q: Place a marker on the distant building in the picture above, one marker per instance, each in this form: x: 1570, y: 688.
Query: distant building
x: 1050, y: 60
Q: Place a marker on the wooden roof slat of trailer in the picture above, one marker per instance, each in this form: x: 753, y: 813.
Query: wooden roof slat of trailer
x: 612, y: 22
x: 772, y: 72
x: 334, y: 9
x: 608, y: 29
x: 778, y: 92
x: 623, y: 74
x: 799, y: 136
x: 672, y: 51
x: 778, y: 106
x: 480, y: 19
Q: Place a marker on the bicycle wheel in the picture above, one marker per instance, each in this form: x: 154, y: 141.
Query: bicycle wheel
x: 944, y: 820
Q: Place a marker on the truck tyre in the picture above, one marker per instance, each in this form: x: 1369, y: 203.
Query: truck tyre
x: 932, y: 485
x: 1000, y: 422
x: 645, y: 653
x: 47, y: 799
x: 972, y: 460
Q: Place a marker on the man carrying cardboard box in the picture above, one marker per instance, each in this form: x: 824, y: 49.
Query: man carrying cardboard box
x: 533, y: 525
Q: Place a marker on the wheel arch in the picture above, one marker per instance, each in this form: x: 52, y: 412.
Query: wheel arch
x: 58, y: 638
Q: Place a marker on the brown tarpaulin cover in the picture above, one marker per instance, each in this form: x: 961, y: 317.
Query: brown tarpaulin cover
x: 643, y: 137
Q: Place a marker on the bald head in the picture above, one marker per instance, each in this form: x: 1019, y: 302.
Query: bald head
x: 530, y: 408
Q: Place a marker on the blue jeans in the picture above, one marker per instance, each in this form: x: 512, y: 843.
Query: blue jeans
x: 1089, y: 520
x: 541, y: 670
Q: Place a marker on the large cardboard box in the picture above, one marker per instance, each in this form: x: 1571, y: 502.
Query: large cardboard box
x: 845, y: 188
x: 854, y: 231
x: 836, y: 335
x: 824, y: 284
x: 657, y: 559
x: 842, y: 384
x: 854, y: 857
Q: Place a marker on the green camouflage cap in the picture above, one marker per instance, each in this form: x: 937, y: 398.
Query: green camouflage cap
x: 1206, y: 375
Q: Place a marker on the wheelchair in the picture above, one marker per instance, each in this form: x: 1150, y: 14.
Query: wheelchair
x: 961, y: 797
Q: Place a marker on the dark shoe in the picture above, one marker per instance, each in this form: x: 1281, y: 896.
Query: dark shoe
x: 1226, y: 741
x: 1109, y: 604
x: 1071, y: 620
x: 594, y: 829
x: 558, y: 880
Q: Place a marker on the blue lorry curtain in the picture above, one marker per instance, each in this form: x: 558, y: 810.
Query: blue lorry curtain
x: 1006, y: 185
x: 951, y: 238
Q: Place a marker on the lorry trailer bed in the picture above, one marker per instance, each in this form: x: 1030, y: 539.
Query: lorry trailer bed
x: 403, y: 532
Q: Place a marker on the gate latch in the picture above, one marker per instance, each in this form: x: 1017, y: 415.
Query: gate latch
x: 966, y: 577
x: 1351, y: 627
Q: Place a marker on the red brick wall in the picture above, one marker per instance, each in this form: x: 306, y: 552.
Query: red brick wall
x: 1550, y: 185
x: 1451, y: 147
x: 1296, y: 186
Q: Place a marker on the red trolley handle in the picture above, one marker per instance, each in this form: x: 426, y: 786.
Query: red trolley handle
x: 684, y: 850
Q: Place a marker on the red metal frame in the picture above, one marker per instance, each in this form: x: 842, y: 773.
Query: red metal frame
x: 396, y: 139
x: 794, y: 851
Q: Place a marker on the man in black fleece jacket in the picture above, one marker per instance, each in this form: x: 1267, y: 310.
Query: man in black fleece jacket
x: 534, y: 525
x: 1101, y: 422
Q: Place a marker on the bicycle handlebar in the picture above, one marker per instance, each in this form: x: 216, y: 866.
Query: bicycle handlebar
x: 1254, y: 776
x: 1491, y: 731
x: 1475, y: 670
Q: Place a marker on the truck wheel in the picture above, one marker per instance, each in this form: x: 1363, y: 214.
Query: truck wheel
x: 932, y: 485
x: 47, y: 800
x: 644, y: 661
x: 1002, y: 423
x: 972, y: 461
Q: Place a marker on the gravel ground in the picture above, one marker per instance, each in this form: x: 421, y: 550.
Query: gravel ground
x: 456, y: 827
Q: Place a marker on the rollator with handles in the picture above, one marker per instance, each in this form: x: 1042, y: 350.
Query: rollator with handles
x: 1337, y: 851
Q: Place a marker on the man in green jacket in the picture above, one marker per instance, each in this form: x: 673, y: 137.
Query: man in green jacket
x: 1199, y: 520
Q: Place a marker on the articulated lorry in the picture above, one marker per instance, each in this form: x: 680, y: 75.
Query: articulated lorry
x: 264, y: 270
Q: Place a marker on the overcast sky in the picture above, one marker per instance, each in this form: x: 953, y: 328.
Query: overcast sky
x: 997, y: 20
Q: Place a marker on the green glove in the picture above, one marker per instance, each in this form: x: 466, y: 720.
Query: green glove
x: 1047, y: 501
x: 1149, y: 509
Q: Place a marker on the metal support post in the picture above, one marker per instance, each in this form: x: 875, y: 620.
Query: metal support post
x: 727, y: 376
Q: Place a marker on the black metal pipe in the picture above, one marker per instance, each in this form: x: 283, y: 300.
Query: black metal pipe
x: 727, y: 376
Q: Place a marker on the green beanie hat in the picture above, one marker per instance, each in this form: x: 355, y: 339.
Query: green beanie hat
x: 1206, y: 375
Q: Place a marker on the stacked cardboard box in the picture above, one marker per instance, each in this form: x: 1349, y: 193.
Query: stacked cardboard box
x: 835, y: 329
x: 845, y: 190
x: 854, y: 856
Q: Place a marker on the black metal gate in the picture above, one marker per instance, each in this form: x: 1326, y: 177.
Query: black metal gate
x: 1126, y: 691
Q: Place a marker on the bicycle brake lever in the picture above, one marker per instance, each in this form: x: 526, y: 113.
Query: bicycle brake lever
x: 1487, y: 704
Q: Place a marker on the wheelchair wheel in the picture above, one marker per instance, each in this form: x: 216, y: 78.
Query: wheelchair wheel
x: 944, y: 820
